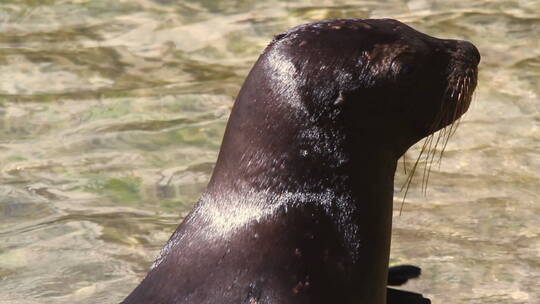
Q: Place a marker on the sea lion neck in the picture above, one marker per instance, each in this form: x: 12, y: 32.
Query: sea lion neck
x: 275, y: 142
x: 277, y: 158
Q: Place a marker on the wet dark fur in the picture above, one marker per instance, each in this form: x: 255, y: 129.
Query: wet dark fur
x: 299, y: 206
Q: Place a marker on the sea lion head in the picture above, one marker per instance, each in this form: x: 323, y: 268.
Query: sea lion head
x: 321, y: 92
x: 389, y: 82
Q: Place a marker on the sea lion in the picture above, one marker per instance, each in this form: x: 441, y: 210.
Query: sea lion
x: 299, y: 206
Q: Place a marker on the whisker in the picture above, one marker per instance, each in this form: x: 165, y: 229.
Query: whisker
x: 432, y: 129
x: 433, y: 153
x: 429, y: 139
x: 404, y: 163
x: 458, y: 94
x: 408, y: 181
x: 454, y: 115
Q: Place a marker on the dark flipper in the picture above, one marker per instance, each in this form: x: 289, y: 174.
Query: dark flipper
x: 396, y: 296
x: 399, y: 275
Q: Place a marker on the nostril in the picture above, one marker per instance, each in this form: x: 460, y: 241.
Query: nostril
x: 470, y: 50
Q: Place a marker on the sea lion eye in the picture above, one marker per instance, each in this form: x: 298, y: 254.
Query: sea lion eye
x: 404, y: 69
x: 407, y: 69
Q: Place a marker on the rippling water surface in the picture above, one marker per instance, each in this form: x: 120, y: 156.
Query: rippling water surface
x: 112, y: 112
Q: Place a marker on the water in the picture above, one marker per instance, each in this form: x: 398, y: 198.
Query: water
x: 112, y: 112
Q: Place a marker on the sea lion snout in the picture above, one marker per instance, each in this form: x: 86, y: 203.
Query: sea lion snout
x: 471, y: 52
x: 463, y: 51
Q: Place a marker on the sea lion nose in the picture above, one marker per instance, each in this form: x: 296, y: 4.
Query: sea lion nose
x: 463, y: 51
x: 470, y: 51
